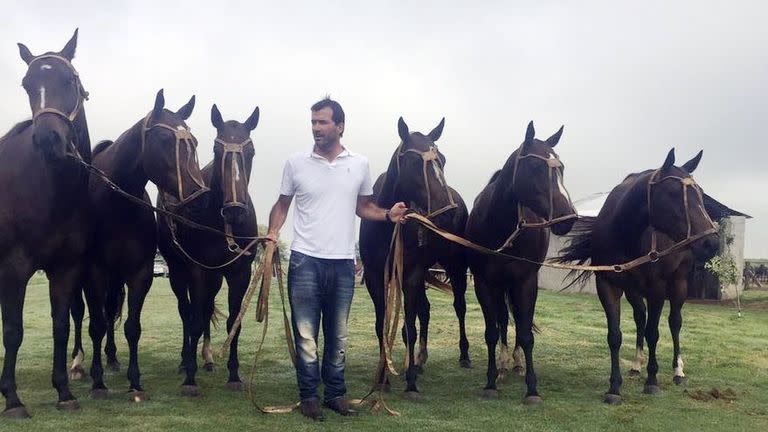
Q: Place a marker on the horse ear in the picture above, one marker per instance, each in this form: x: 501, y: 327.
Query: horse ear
x: 25, y: 54
x: 216, y: 119
x: 529, y: 133
x: 186, y: 111
x: 691, y: 165
x: 670, y: 161
x: 554, y: 139
x: 68, y: 52
x: 402, y: 130
x: 159, y: 104
x: 253, y: 120
x: 437, y: 131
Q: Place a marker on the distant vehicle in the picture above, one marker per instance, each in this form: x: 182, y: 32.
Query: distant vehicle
x: 160, y: 269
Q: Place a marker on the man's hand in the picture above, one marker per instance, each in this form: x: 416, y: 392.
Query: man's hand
x: 397, y: 212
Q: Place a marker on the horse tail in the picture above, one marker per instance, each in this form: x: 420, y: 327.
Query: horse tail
x: 578, y: 250
x: 115, y: 303
x: 216, y: 314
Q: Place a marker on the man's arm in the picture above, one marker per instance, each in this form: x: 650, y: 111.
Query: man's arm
x: 277, y: 216
x: 367, y: 209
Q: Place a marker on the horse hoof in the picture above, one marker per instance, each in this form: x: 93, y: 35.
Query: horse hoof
x: 651, y: 389
x: 413, y: 396
x: 679, y: 380
x: 465, y: 363
x: 70, y: 405
x: 190, y: 390
x: 235, y: 386
x: 612, y: 399
x: 76, y: 373
x: 113, y: 366
x: 18, y: 413
x: 634, y: 373
x: 386, y: 387
x: 209, y: 367
x: 137, y: 396
x: 533, y: 400
x: 490, y: 394
x: 99, y: 394
x: 519, y: 371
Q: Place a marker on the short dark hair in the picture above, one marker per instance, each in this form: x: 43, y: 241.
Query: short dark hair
x: 327, y: 102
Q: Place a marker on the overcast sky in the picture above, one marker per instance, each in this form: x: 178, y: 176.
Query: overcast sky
x: 628, y: 81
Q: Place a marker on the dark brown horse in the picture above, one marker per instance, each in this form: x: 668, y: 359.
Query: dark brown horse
x: 229, y: 209
x: 158, y: 148
x: 43, y: 210
x: 657, y: 213
x: 527, y: 192
x: 415, y: 176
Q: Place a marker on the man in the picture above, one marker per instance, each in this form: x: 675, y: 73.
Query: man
x: 331, y: 185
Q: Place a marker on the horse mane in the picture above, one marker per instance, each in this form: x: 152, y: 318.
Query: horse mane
x: 17, y: 129
x: 387, y: 195
x: 495, y: 176
x: 578, y: 250
x: 101, y: 146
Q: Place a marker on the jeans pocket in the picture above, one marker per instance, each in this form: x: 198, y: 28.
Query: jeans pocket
x: 297, y: 259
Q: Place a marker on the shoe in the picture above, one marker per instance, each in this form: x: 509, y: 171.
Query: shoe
x: 341, y: 406
x: 310, y: 408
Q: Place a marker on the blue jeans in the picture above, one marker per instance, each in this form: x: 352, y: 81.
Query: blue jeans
x: 318, y: 288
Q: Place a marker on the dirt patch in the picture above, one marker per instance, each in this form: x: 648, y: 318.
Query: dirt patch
x: 728, y: 395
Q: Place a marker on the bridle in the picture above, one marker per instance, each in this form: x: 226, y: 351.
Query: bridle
x: 553, y: 164
x: 686, y: 182
x: 82, y: 95
x: 182, y: 135
x: 429, y: 157
x: 236, y: 151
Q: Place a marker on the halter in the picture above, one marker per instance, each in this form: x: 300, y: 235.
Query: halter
x: 430, y: 157
x: 236, y: 150
x: 686, y: 182
x: 82, y: 95
x: 184, y: 135
x: 553, y: 164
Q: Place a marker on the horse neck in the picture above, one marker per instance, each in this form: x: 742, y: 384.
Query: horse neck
x: 126, y: 164
x: 216, y: 195
x: 504, y: 202
x: 631, y: 218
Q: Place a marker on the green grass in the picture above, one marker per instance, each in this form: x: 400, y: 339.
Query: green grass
x: 721, y: 351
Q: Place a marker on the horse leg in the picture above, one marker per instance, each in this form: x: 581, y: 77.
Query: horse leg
x: 13, y: 286
x: 610, y: 298
x: 76, y: 371
x: 502, y: 321
x: 489, y: 304
x: 655, y: 307
x: 63, y: 282
x: 179, y: 286
x: 199, y: 308
x: 138, y: 288
x: 523, y: 308
x: 374, y: 282
x: 639, y: 314
x: 423, y: 314
x: 94, y: 292
x: 458, y: 276
x: 112, y: 309
x: 413, y: 290
x: 676, y: 300
x: 238, y: 285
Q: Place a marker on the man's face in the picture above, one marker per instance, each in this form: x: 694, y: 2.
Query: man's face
x: 324, y: 130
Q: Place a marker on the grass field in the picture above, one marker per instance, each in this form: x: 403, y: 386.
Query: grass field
x: 721, y: 352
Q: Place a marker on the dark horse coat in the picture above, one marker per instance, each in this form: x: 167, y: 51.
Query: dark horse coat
x: 405, y: 181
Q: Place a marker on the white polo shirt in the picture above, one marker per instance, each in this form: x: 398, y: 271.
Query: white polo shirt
x: 325, y: 194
